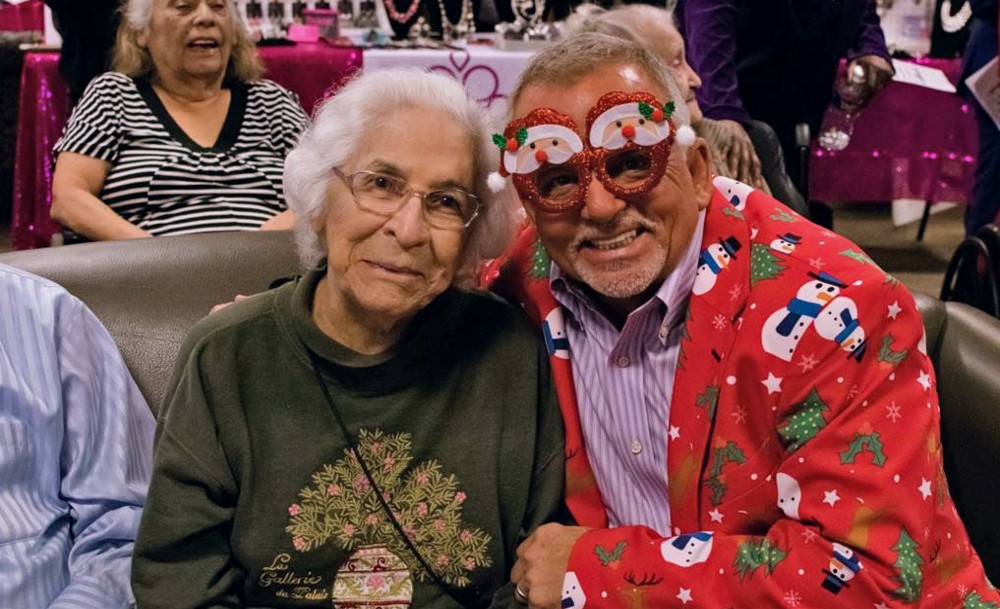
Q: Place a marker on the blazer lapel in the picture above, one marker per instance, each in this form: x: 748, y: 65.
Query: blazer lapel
x: 583, y: 497
x: 710, y: 329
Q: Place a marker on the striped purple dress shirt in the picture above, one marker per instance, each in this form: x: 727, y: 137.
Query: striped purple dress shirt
x: 624, y: 381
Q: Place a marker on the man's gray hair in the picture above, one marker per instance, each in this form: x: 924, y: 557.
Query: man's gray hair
x: 338, y: 134
x: 570, y: 60
x: 638, y: 16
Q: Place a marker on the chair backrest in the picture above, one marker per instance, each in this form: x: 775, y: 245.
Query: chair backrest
x: 973, y: 274
x: 964, y: 344
x: 150, y: 292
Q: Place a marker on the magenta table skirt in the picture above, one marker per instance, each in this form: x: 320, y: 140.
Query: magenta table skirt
x: 909, y: 143
x: 26, y: 17
x: 310, y: 70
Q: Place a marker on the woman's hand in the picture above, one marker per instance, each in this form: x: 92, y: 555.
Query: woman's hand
x: 223, y: 305
x: 878, y: 73
x: 283, y: 221
x: 75, y: 184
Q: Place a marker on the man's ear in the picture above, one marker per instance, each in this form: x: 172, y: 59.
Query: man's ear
x: 699, y: 162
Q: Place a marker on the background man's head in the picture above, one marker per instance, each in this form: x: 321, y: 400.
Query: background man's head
x: 652, y: 27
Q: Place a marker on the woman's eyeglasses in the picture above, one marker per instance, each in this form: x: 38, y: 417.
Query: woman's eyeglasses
x: 384, y: 195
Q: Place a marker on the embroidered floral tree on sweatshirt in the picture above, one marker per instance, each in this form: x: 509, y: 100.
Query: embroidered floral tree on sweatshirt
x: 341, y: 507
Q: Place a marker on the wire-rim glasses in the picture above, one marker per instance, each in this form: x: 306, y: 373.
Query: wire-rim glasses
x: 384, y: 195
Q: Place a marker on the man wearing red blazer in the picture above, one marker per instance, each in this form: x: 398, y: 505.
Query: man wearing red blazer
x: 751, y: 416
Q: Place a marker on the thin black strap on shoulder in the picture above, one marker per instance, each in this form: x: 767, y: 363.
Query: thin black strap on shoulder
x: 353, y: 447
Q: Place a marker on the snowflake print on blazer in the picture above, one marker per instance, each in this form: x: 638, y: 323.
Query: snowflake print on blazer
x: 804, y: 459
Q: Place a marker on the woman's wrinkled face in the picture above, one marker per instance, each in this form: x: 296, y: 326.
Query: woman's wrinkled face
x: 394, y: 266
x: 190, y: 39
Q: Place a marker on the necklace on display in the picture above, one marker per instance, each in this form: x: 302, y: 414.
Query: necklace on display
x: 454, y: 31
x: 398, y: 17
x: 953, y: 23
x: 528, y: 11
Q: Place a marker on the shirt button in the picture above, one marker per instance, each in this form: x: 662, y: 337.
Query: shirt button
x: 623, y: 362
x: 636, y: 447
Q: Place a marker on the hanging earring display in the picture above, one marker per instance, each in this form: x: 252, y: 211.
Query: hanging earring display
x: 953, y: 23
x: 398, y: 17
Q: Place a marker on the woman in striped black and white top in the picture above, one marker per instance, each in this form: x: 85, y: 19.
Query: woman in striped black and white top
x: 183, y: 137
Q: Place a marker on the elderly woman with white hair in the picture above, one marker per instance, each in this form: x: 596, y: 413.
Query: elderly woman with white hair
x: 373, y: 433
x: 183, y: 136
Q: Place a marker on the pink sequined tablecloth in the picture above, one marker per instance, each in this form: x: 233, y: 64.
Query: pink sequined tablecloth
x: 310, y: 70
x: 43, y: 107
x: 909, y: 143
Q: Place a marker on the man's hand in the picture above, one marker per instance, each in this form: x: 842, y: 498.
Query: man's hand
x: 738, y: 153
x: 223, y: 305
x: 541, y: 564
x: 878, y: 69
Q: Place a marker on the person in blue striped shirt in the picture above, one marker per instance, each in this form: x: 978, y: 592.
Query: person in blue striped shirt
x: 75, y: 452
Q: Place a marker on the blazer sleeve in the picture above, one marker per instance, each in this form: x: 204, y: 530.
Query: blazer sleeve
x: 870, y: 489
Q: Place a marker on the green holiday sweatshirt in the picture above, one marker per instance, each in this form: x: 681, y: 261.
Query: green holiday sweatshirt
x: 256, y: 500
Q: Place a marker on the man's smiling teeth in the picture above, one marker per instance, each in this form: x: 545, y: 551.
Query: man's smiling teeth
x: 615, y: 242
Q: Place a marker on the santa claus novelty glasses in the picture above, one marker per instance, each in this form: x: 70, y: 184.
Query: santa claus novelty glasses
x: 630, y: 136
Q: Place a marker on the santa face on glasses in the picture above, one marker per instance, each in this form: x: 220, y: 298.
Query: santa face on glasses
x: 535, y: 146
x: 619, y: 215
x: 629, y: 140
x: 640, y: 123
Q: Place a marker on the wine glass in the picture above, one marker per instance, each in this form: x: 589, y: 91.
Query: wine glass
x: 838, y: 123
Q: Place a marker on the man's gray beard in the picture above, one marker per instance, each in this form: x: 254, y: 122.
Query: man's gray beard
x: 635, y: 281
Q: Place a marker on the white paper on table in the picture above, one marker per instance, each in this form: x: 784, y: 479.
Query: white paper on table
x: 985, y: 85
x: 52, y: 36
x: 922, y: 76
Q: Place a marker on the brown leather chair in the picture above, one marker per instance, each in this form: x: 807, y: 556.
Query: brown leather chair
x: 150, y: 292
